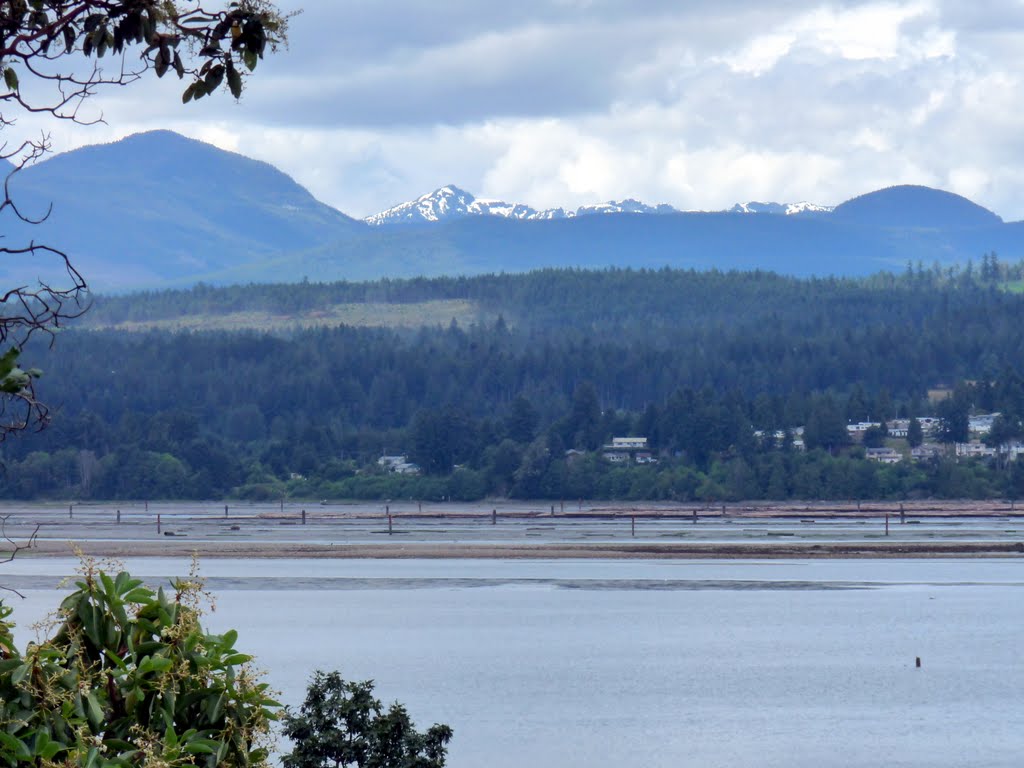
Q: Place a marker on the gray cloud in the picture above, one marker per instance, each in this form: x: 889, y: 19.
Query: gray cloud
x: 565, y: 102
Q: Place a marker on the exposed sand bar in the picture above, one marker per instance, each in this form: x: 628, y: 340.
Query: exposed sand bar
x: 511, y: 551
x: 520, y: 530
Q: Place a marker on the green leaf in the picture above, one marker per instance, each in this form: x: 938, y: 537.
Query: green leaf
x: 94, y: 712
x: 234, y: 82
x: 160, y: 62
x: 250, y: 58
x: 20, y: 673
x: 11, y: 78
x: 8, y: 360
x: 214, y: 78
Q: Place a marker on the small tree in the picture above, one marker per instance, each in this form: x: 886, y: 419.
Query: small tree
x: 341, y: 724
x: 130, y: 678
x: 915, y: 435
x: 874, y: 437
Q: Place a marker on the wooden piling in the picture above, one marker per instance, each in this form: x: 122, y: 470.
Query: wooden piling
x: 903, y: 517
x: 119, y: 517
x: 695, y: 517
x: 158, y: 522
x: 71, y: 511
x: 303, y: 517
x: 225, y: 510
x: 886, y: 523
x: 147, y: 505
x: 632, y: 528
x: 389, y: 525
x: 917, y: 662
x: 494, y: 517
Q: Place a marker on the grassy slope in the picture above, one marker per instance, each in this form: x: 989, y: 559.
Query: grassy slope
x: 376, y: 314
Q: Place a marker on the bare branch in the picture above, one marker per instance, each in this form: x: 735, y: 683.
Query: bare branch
x: 16, y: 547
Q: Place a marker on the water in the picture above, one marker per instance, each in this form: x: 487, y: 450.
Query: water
x: 646, y: 663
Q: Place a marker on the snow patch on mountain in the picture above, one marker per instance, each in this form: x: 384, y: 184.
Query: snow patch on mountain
x: 451, y: 202
x: 780, y: 209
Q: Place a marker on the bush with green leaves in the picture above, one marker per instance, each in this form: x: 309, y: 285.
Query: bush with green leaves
x: 341, y: 724
x: 130, y: 678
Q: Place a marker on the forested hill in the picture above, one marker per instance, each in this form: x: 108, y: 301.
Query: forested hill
x: 539, y: 364
x: 657, y: 306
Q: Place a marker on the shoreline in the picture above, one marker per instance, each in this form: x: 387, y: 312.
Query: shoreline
x: 514, y: 530
x: 516, y: 551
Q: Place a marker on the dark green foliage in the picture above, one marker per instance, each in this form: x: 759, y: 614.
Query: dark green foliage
x: 695, y: 362
x: 341, y: 724
x: 915, y: 435
x: 874, y: 437
x: 954, y: 412
x: 129, y: 677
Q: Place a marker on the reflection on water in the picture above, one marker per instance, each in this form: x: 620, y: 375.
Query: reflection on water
x: 642, y: 663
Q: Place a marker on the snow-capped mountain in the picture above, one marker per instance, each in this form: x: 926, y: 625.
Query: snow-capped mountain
x: 784, y: 209
x: 451, y: 202
x: 624, y: 206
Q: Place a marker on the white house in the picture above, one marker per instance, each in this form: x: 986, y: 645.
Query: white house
x: 628, y: 443
x: 398, y: 464
x: 982, y: 423
x: 898, y: 427
x: 973, y: 449
x: 883, y: 455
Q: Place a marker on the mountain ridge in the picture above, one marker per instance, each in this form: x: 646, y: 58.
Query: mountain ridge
x: 452, y: 202
x: 160, y: 210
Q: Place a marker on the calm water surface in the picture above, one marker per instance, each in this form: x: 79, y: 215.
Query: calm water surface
x: 645, y: 664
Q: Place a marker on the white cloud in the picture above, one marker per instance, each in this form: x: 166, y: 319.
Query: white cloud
x: 872, y: 31
x: 696, y: 104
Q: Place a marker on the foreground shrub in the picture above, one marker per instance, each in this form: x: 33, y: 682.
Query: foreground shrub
x: 130, y: 678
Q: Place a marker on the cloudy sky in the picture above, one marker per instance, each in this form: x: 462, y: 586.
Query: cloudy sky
x: 696, y: 103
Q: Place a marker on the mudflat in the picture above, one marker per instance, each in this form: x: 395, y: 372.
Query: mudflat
x: 519, y: 530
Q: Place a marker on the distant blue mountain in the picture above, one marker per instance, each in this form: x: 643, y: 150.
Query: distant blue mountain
x: 914, y: 207
x: 158, y: 206
x: 158, y: 209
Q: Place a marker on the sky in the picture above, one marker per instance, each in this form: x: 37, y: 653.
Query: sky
x: 695, y: 103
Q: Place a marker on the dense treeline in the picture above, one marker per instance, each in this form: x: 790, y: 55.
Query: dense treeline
x: 562, y: 360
